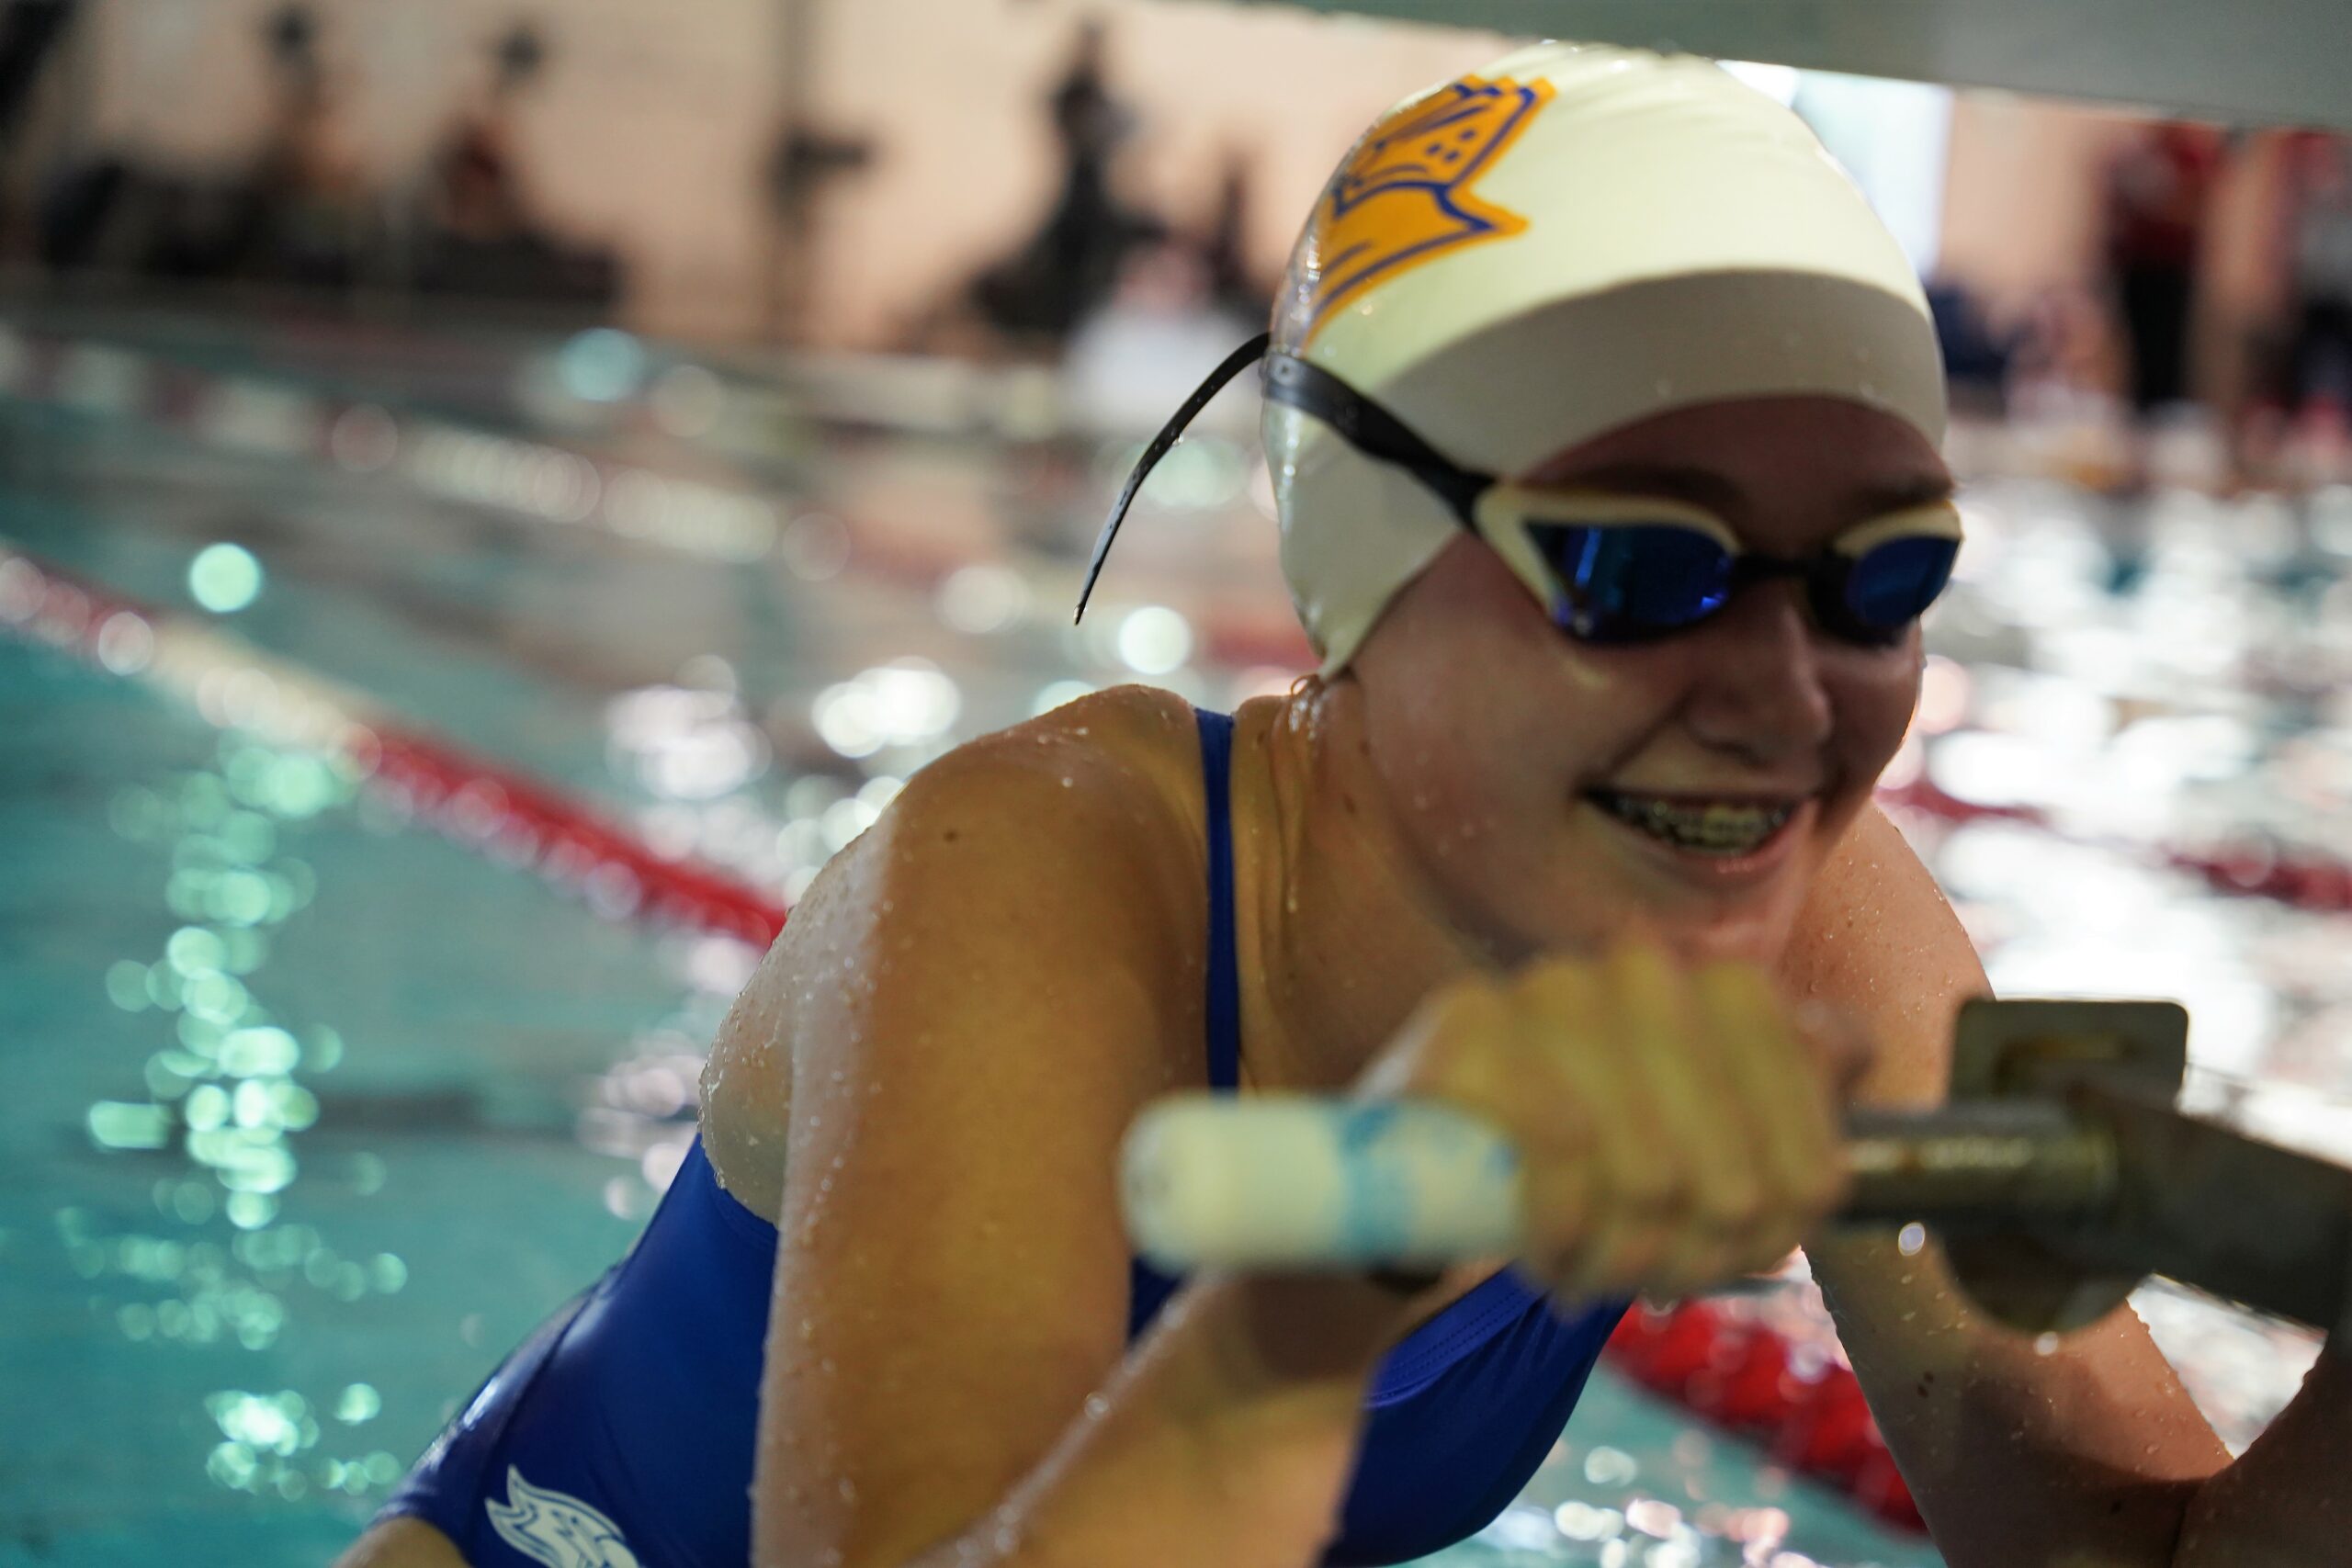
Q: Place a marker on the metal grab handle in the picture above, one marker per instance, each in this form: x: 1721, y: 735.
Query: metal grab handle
x: 1977, y: 1165
x: 2052, y: 1211
x: 1297, y: 1181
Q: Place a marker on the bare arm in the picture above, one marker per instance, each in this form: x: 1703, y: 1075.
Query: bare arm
x: 1225, y: 1441
x: 979, y: 996
x: 2090, y: 1454
x: 2283, y: 1503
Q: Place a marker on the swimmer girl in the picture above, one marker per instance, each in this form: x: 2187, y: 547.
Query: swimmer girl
x: 1604, y: 418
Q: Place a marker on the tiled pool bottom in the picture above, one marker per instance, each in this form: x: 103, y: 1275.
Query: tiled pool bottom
x: 427, y: 1090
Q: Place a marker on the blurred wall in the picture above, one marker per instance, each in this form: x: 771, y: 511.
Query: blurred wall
x: 654, y: 124
x: 2022, y: 193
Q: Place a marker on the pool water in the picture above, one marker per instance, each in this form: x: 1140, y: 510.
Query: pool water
x: 311, y: 1115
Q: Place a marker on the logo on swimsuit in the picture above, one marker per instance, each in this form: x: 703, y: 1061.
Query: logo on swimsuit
x: 563, y: 1532
x: 1403, y: 196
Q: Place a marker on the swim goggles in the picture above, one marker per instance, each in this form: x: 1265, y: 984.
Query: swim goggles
x: 1608, y: 568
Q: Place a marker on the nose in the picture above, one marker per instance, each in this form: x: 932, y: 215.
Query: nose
x: 1760, y: 693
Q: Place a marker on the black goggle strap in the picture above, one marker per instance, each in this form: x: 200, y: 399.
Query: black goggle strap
x: 1240, y: 359
x: 1373, y: 431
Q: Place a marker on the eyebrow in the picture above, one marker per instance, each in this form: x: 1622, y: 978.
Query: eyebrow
x: 1706, y: 488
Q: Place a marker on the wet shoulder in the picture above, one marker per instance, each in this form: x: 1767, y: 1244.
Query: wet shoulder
x: 1081, y: 831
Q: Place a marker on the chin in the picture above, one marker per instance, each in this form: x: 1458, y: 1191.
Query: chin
x: 1757, y: 938
x: 1753, y: 926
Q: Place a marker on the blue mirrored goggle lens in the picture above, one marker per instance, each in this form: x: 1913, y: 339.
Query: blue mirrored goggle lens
x: 1623, y: 579
x: 1892, y: 584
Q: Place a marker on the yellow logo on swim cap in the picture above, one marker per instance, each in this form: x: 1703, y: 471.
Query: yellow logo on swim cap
x: 1403, y: 196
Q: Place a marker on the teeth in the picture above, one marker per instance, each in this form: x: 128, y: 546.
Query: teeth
x: 1714, y: 829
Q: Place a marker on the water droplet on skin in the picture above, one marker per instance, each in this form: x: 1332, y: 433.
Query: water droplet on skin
x: 1097, y: 1406
x: 807, y: 1328
x: 826, y: 1366
x: 848, y: 1490
x: 2045, y: 1345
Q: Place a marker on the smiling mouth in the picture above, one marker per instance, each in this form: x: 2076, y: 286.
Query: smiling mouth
x: 1718, y: 829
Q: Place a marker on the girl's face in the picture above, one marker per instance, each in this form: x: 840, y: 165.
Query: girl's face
x: 1553, y: 792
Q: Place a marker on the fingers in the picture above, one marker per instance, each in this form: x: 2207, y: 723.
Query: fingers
x: 1675, y: 1127
x: 1769, y: 1067
x: 1677, y: 1046
x: 1472, y: 1047
x: 1714, y: 1141
x: 1622, y: 1185
x: 1448, y: 1048
x: 1610, y: 1033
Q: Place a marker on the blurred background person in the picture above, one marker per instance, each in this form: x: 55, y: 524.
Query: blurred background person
x: 481, y: 235
x: 2158, y: 187
x: 305, y: 202
x: 1071, y: 263
x: 295, y: 210
x: 2321, y: 353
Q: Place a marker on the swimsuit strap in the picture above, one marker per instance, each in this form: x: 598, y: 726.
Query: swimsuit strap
x: 1225, y: 971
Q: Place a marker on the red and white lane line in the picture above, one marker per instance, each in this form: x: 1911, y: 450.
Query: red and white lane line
x: 1750, y: 1379
x: 2301, y: 879
x: 494, y: 810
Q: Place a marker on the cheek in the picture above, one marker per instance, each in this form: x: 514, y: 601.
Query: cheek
x: 1874, y: 709
x: 1483, y: 716
x: 1526, y: 725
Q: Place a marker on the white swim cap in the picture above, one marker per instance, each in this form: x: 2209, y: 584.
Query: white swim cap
x: 1572, y: 239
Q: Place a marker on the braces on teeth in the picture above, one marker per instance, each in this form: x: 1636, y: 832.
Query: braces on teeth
x: 1718, y: 829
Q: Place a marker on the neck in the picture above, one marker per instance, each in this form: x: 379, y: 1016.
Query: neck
x: 1339, y: 942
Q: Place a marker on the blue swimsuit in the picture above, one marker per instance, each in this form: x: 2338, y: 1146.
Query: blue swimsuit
x: 621, y: 1432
